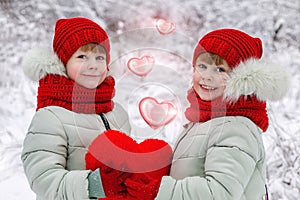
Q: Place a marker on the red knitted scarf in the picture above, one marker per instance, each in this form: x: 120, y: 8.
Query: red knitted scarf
x: 55, y: 90
x: 247, y: 106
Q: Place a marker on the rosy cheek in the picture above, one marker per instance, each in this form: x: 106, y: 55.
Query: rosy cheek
x: 224, y: 78
x: 195, y: 80
x: 73, y: 74
x: 105, y: 70
x: 223, y: 81
x: 196, y: 76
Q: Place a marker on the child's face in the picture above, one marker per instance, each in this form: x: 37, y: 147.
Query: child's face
x: 87, y: 69
x: 209, y: 79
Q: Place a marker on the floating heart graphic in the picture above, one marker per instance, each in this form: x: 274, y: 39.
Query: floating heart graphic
x: 141, y: 66
x: 157, y: 114
x: 165, y: 27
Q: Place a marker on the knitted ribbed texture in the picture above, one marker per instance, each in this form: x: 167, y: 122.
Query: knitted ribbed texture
x: 72, y: 33
x: 55, y: 90
x: 232, y: 45
x: 247, y: 106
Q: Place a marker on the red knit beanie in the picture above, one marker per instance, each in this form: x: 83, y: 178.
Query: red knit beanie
x: 232, y: 45
x: 72, y: 33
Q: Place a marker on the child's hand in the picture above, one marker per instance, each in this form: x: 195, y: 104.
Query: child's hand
x: 142, y: 187
x: 113, y: 181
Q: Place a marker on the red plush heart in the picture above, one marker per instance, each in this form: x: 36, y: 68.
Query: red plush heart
x: 120, y: 152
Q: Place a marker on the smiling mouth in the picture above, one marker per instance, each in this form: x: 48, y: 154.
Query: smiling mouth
x: 89, y: 75
x: 207, y: 87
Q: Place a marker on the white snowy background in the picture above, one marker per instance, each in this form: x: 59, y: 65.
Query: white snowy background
x: 26, y: 24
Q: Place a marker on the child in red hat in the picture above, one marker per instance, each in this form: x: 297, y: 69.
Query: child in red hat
x: 65, y: 156
x: 74, y: 105
x: 220, y: 154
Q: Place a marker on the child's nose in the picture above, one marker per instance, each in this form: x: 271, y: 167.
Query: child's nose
x: 207, y: 74
x: 92, y: 64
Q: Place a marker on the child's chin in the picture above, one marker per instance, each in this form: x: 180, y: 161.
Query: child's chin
x: 90, y: 85
x: 206, y: 97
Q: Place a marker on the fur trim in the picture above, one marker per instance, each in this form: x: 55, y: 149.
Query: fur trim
x: 39, y: 62
x: 266, y: 81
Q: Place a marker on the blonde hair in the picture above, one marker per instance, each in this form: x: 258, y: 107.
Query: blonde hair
x: 212, y: 58
x: 93, y: 47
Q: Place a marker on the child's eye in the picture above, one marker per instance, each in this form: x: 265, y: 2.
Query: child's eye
x: 200, y: 67
x: 221, y: 69
x: 100, y: 58
x: 82, y: 56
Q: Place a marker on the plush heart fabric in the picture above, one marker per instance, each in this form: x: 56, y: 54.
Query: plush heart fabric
x: 118, y: 151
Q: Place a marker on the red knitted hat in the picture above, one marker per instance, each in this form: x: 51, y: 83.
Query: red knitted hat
x: 72, y: 33
x: 232, y: 45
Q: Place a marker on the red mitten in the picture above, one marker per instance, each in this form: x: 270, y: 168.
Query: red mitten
x: 113, y: 181
x: 110, y: 151
x: 115, y: 198
x: 154, y: 160
x: 142, y: 187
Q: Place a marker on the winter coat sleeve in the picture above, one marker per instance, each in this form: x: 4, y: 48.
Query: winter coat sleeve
x: 44, y: 159
x: 231, y: 158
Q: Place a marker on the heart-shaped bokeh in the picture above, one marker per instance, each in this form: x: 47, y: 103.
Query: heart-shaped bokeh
x: 157, y: 114
x: 165, y: 27
x: 141, y: 66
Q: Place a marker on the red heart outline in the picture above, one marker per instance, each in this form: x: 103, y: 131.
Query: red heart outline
x: 165, y: 27
x: 141, y: 66
x: 157, y: 114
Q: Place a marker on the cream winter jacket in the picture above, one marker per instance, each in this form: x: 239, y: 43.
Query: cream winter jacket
x: 221, y: 159
x: 224, y: 158
x: 57, y: 140
x: 55, y: 146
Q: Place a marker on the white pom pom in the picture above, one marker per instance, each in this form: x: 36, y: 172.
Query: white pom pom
x: 265, y: 80
x: 39, y: 62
